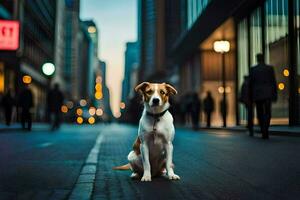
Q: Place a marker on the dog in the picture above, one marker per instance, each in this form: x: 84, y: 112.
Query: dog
x: 152, y: 153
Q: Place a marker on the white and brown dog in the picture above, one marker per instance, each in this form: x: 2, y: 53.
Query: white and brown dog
x: 152, y: 153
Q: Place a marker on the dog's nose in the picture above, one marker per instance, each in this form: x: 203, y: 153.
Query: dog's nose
x: 155, y: 101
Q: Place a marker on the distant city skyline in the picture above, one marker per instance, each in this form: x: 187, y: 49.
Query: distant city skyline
x: 117, y: 24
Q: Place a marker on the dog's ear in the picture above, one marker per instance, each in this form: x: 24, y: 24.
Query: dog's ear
x: 141, y: 87
x: 170, y: 89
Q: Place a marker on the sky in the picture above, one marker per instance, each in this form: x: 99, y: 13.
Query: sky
x: 116, y: 21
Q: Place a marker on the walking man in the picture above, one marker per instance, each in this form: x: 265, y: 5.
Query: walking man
x: 8, y: 103
x: 264, y: 92
x: 55, y: 101
x: 245, y: 99
x: 209, y: 106
x: 26, y: 103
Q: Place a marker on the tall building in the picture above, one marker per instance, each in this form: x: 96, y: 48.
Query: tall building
x: 159, y: 27
x: 59, y: 44
x: 152, y: 39
x: 270, y: 27
x: 105, y: 102
x: 36, y: 46
x: 71, y: 63
x: 92, y: 31
x: 131, y: 64
x: 85, y: 70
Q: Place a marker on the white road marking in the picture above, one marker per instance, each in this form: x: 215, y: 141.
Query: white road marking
x: 84, y: 186
x: 44, y: 144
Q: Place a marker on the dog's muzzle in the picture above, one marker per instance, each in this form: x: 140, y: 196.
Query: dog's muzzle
x: 155, y: 102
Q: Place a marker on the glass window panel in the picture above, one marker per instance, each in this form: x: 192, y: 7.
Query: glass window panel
x: 242, y: 54
x: 297, y: 28
x: 276, y: 53
x: 255, y: 35
x: 194, y: 10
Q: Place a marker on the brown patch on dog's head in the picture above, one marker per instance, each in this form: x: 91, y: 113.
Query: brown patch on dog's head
x: 145, y: 90
x: 165, y: 90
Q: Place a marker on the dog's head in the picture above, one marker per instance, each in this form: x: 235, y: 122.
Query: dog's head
x: 155, y: 95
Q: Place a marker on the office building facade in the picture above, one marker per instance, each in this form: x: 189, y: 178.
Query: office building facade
x: 270, y: 27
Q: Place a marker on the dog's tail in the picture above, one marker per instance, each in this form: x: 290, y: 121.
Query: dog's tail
x: 122, y: 167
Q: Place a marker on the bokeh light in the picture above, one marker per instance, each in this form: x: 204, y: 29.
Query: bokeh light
x: 64, y: 109
x: 286, y: 72
x: 98, y: 87
x: 122, y: 105
x: 27, y: 79
x: 70, y: 104
x: 92, y: 111
x: 99, y: 112
x: 48, y: 69
x: 79, y: 120
x: 118, y: 115
x: 79, y: 111
x: 98, y: 95
x: 98, y: 79
x: 91, y: 120
x: 281, y: 86
x: 92, y: 29
x: 221, y: 90
x: 82, y: 102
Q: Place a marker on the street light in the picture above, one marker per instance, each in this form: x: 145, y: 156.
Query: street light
x: 48, y: 69
x: 223, y: 46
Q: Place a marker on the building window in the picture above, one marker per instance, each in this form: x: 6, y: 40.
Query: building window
x: 276, y: 53
x: 297, y: 31
x: 194, y: 10
x: 243, y: 67
x: 255, y: 35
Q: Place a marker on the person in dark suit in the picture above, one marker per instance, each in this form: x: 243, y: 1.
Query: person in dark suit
x: 209, y: 106
x: 195, y: 110
x: 26, y: 103
x: 264, y: 92
x: 8, y: 103
x: 55, y: 100
x: 245, y: 99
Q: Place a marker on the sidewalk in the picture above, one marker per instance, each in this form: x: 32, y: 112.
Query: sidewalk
x: 280, y: 130
x: 18, y: 127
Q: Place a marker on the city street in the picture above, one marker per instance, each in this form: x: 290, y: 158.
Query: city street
x: 223, y: 165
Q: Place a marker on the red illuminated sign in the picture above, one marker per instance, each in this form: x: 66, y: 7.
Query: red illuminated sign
x: 9, y: 35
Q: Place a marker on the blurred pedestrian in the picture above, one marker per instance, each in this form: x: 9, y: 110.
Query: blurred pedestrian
x: 55, y: 100
x: 264, y: 92
x: 26, y: 104
x: 8, y: 103
x: 246, y: 100
x: 209, y: 106
x: 195, y: 110
x: 223, y: 110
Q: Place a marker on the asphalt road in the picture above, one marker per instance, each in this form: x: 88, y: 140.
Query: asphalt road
x: 223, y: 165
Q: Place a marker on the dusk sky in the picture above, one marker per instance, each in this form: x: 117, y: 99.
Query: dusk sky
x: 117, y: 24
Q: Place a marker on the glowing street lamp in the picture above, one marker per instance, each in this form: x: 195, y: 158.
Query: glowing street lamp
x: 48, y: 69
x: 27, y: 79
x: 223, y: 46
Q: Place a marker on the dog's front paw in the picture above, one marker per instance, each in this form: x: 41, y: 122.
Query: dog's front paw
x: 134, y: 176
x: 146, y: 178
x: 173, y: 177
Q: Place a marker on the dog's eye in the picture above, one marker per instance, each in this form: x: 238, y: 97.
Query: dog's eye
x: 149, y: 92
x: 162, y: 92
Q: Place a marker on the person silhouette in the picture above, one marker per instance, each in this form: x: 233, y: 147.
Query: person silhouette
x: 245, y: 99
x: 8, y: 103
x: 195, y: 110
x: 26, y: 103
x: 223, y: 109
x: 263, y: 92
x: 55, y: 99
x: 209, y: 107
